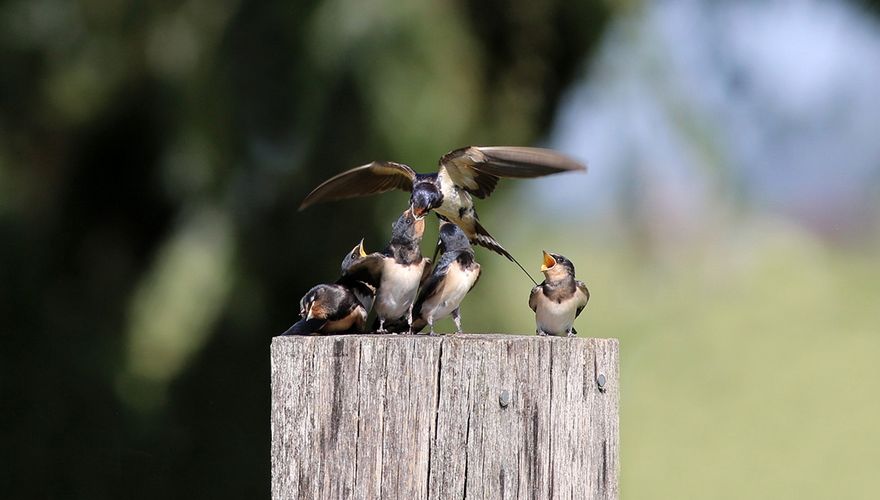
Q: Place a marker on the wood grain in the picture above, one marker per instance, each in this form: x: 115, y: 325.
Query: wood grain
x: 398, y: 416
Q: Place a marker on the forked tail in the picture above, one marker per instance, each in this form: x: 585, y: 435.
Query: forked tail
x: 485, y: 240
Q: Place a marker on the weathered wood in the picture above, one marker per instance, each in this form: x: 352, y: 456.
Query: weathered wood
x: 399, y: 416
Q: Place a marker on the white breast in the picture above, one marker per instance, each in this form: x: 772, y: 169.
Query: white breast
x: 455, y: 286
x: 453, y: 198
x: 397, y: 289
x: 554, y: 318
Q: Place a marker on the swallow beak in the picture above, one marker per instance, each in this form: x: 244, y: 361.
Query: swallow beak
x: 549, y: 261
x: 361, y: 250
x: 418, y: 213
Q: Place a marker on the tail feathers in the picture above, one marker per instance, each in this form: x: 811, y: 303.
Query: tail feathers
x: 306, y: 327
x: 485, y: 240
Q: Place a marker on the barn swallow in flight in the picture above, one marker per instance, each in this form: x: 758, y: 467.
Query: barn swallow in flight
x: 396, y: 272
x: 329, y: 308
x: 559, y: 299
x: 463, y: 173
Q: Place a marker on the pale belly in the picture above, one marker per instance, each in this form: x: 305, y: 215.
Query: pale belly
x: 553, y: 318
x: 357, y: 317
x: 455, y: 288
x: 397, y: 289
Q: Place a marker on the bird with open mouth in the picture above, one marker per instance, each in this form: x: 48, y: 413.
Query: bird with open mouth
x: 462, y: 174
x: 454, y: 275
x: 396, y: 272
x: 559, y: 299
x: 340, y: 307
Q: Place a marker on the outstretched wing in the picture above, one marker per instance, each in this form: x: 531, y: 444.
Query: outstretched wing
x: 584, y: 297
x: 373, y: 178
x: 478, y: 168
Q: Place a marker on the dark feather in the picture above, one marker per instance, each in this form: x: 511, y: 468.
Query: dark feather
x: 485, y: 240
x: 583, y: 288
x: 373, y: 178
x: 477, y: 168
x: 306, y: 327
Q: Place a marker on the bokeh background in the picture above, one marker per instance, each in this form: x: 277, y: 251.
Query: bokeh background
x: 153, y: 155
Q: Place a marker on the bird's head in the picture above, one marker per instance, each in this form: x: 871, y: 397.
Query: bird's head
x: 425, y: 197
x: 452, y: 237
x: 353, y: 256
x: 556, y: 267
x: 408, y: 228
x: 310, y: 305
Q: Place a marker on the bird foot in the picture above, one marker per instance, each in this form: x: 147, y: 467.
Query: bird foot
x: 541, y: 333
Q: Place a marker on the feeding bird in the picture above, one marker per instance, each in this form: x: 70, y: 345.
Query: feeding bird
x: 462, y: 174
x: 454, y: 275
x: 559, y: 299
x: 396, y: 272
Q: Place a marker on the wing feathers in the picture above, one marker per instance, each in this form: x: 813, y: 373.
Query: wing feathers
x: 478, y: 168
x: 373, y: 178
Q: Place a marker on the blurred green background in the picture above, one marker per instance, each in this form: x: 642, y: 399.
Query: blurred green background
x: 153, y: 154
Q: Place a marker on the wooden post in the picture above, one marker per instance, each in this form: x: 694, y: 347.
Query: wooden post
x: 464, y: 416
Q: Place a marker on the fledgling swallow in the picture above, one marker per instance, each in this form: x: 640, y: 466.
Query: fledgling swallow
x: 364, y: 291
x: 396, y: 272
x: 559, y: 299
x: 454, y: 275
x: 329, y: 308
x: 462, y: 173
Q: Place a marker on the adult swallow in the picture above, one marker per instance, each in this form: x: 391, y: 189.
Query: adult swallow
x: 396, y: 272
x: 454, y: 275
x: 329, y: 308
x: 559, y: 299
x: 462, y: 174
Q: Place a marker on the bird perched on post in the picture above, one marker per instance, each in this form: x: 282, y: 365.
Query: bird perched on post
x: 396, y: 272
x: 329, y: 308
x: 559, y: 299
x: 454, y: 275
x: 462, y: 173
x: 336, y: 307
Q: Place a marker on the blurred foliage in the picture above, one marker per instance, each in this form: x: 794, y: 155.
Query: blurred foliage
x: 152, y: 156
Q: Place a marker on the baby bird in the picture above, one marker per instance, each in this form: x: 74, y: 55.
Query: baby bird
x: 337, y: 307
x: 453, y: 277
x: 395, y: 272
x: 559, y: 299
x: 329, y: 308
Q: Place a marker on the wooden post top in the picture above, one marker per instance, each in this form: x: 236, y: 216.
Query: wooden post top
x: 445, y: 416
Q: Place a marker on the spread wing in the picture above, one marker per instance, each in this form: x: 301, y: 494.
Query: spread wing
x: 373, y: 178
x: 583, y: 297
x: 478, y: 168
x: 533, y: 298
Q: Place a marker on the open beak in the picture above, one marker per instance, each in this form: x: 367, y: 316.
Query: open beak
x: 361, y: 251
x: 418, y: 213
x: 549, y: 261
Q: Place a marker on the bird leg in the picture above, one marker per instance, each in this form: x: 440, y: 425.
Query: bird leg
x: 456, y: 317
x: 382, y: 326
x: 409, y: 317
x: 541, y: 333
